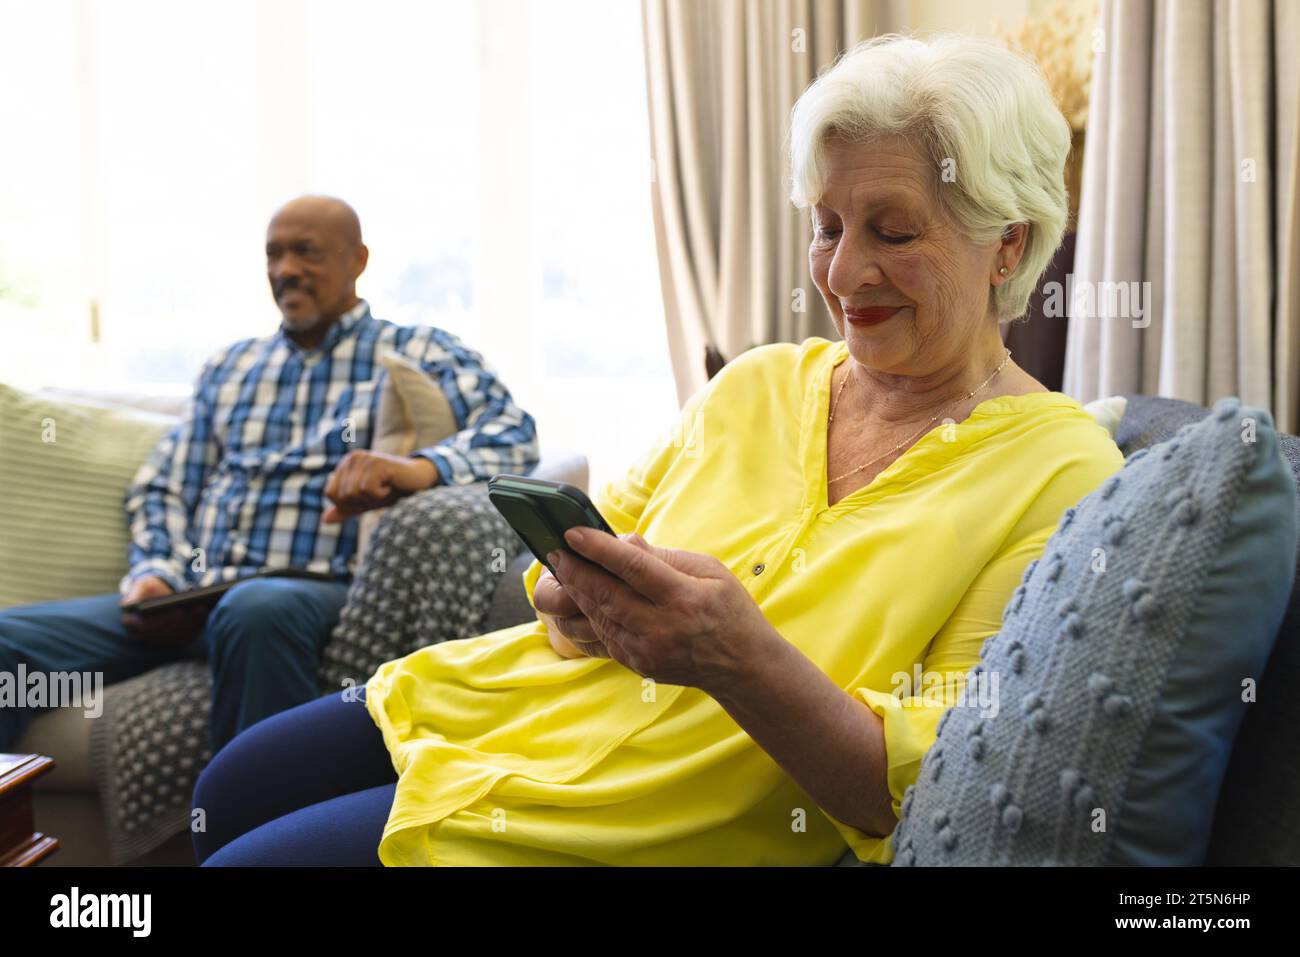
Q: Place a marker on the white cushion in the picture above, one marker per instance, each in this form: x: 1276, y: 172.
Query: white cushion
x: 1108, y: 412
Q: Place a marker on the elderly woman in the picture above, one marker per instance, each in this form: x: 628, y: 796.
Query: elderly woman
x: 731, y: 679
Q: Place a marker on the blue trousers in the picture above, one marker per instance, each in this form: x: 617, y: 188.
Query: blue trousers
x: 310, y: 787
x: 263, y: 641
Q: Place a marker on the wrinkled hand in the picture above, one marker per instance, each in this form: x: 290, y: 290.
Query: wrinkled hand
x: 675, y: 616
x: 166, y: 629
x: 364, y: 480
x: 571, y: 635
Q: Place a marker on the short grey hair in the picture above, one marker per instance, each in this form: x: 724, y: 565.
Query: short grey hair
x: 971, y: 106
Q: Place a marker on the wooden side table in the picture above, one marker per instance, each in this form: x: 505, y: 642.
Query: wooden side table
x: 21, y: 845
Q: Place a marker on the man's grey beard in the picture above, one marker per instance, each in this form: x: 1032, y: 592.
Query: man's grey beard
x: 302, y: 323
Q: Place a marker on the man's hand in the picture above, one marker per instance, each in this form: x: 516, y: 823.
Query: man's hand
x: 166, y: 629
x: 570, y: 633
x: 366, y: 480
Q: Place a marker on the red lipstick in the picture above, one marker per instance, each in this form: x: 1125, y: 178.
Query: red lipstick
x: 869, y: 317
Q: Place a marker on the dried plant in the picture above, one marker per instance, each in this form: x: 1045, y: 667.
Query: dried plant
x: 1059, y: 41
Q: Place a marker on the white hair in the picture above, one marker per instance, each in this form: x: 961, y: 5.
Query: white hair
x: 972, y: 107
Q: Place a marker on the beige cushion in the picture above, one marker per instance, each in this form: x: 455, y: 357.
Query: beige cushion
x: 64, y: 469
x: 413, y: 414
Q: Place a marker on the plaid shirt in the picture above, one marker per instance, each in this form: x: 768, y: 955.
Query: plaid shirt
x: 242, y: 476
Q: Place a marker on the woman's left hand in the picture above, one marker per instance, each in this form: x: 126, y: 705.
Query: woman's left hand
x: 675, y: 616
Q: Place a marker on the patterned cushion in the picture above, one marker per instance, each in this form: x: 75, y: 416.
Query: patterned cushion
x: 1122, y: 665
x: 147, y: 749
x: 434, y: 565
x: 1257, y: 819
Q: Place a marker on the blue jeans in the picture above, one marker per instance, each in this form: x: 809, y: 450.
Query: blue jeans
x: 263, y: 641
x: 311, y: 787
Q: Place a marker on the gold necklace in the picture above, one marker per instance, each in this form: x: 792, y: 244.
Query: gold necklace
x: 924, y: 428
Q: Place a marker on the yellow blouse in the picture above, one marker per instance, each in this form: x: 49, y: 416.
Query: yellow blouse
x: 509, y: 754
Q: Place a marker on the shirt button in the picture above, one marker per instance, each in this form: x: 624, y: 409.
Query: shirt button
x: 758, y: 569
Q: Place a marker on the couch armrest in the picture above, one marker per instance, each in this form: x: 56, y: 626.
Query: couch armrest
x: 509, y: 602
x: 563, y: 465
x: 1151, y: 419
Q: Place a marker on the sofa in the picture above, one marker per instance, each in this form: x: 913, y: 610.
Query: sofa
x: 71, y: 800
x: 1257, y: 821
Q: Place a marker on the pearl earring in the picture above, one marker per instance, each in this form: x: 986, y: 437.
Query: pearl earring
x: 1002, y: 271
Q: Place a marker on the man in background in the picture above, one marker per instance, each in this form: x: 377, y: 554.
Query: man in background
x: 267, y: 470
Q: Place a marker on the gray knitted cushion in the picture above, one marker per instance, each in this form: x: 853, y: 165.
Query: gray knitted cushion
x: 1122, y: 665
x: 433, y: 567
x: 1257, y: 820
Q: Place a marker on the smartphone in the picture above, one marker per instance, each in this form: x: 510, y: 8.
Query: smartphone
x: 541, y: 512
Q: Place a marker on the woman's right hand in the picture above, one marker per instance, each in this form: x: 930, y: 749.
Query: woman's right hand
x: 568, y: 629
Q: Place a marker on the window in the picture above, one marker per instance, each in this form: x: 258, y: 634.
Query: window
x: 497, y: 152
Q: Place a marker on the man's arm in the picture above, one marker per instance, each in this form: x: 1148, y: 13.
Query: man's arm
x: 495, y: 434
x: 161, y: 499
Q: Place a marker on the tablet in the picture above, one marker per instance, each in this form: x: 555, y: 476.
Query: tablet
x: 211, y: 594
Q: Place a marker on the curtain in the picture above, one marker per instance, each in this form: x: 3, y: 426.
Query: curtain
x: 721, y: 79
x: 1191, y: 171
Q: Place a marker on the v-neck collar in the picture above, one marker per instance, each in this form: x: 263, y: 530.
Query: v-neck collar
x: 922, y: 457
